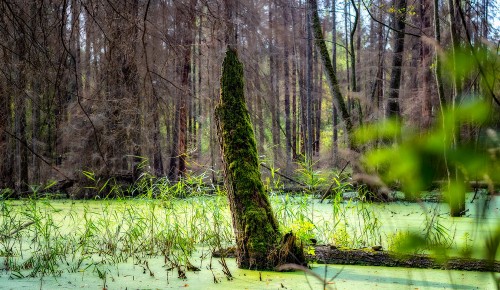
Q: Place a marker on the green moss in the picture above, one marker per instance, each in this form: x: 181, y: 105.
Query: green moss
x: 327, y: 63
x: 255, y: 225
x: 256, y: 229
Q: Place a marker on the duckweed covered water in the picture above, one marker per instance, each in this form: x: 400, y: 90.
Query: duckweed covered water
x: 143, y: 243
x: 132, y: 276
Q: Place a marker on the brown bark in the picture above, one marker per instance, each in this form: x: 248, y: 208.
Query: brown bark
x: 425, y: 64
x: 274, y: 99
x: 286, y: 76
x: 335, y: 136
x: 354, y: 85
x: 308, y: 98
x: 185, y: 20
x: 19, y: 87
x: 296, y: 90
x: 6, y: 170
x: 393, y: 102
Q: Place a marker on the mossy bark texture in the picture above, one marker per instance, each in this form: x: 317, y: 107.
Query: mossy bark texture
x: 327, y: 64
x: 259, y: 244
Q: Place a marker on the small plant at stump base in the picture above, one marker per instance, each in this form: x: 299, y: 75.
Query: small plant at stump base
x: 259, y: 243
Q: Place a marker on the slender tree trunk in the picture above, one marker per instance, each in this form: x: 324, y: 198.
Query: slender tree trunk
x: 286, y: 72
x: 393, y: 107
x: 425, y: 63
x: 200, y: 119
x: 347, y: 56
x: 157, y: 149
x: 455, y: 42
x: 35, y: 100
x: 185, y: 21
x: 455, y: 199
x: 335, y: 135
x: 36, y: 129
x: 191, y: 136
x: 260, y: 123
x: 22, y: 180
x: 6, y: 170
x: 173, y: 171
x: 319, y: 100
x: 183, y: 113
x: 154, y: 106
x: 330, y: 72
x: 296, y: 87
x: 273, y: 85
x: 377, y: 93
x: 212, y: 128
x: 354, y: 85
x: 438, y: 66
x: 307, y: 105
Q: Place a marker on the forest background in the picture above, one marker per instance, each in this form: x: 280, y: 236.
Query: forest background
x: 122, y: 88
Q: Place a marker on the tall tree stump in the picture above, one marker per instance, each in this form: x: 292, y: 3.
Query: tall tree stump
x: 259, y: 244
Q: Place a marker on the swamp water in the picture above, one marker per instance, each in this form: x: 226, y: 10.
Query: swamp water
x: 149, y: 243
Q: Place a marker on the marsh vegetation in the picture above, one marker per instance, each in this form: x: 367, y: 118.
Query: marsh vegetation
x: 46, y: 239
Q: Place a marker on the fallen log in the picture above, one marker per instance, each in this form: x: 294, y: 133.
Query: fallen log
x: 369, y: 257
x: 326, y: 254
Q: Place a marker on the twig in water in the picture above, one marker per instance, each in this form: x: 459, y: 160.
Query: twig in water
x: 327, y: 192
x: 287, y: 267
x: 20, y: 228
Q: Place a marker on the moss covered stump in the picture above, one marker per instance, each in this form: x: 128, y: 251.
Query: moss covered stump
x: 259, y: 244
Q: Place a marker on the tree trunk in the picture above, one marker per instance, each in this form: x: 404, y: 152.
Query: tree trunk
x: 173, y: 168
x: 185, y: 20
x: 347, y: 13
x: 317, y: 107
x: 157, y: 149
x: 21, y: 169
x: 329, y: 71
x: 425, y: 62
x: 456, y: 199
x: 307, y: 104
x: 199, y: 91
x: 255, y: 227
x: 295, y: 89
x: 335, y: 135
x: 377, y: 90
x: 354, y: 85
x: 393, y: 108
x: 6, y: 170
x: 438, y: 72
x: 286, y: 71
x: 273, y: 85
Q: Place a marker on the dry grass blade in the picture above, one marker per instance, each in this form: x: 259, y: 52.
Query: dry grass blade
x: 288, y: 267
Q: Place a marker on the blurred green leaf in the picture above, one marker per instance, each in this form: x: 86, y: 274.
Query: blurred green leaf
x: 385, y: 129
x: 454, y: 190
x: 412, y: 243
x: 463, y: 64
x: 472, y: 112
x: 469, y: 161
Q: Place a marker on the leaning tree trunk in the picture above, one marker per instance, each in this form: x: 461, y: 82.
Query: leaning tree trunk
x: 330, y: 72
x: 259, y: 244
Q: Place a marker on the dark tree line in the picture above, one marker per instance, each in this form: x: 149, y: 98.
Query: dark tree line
x: 120, y: 88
